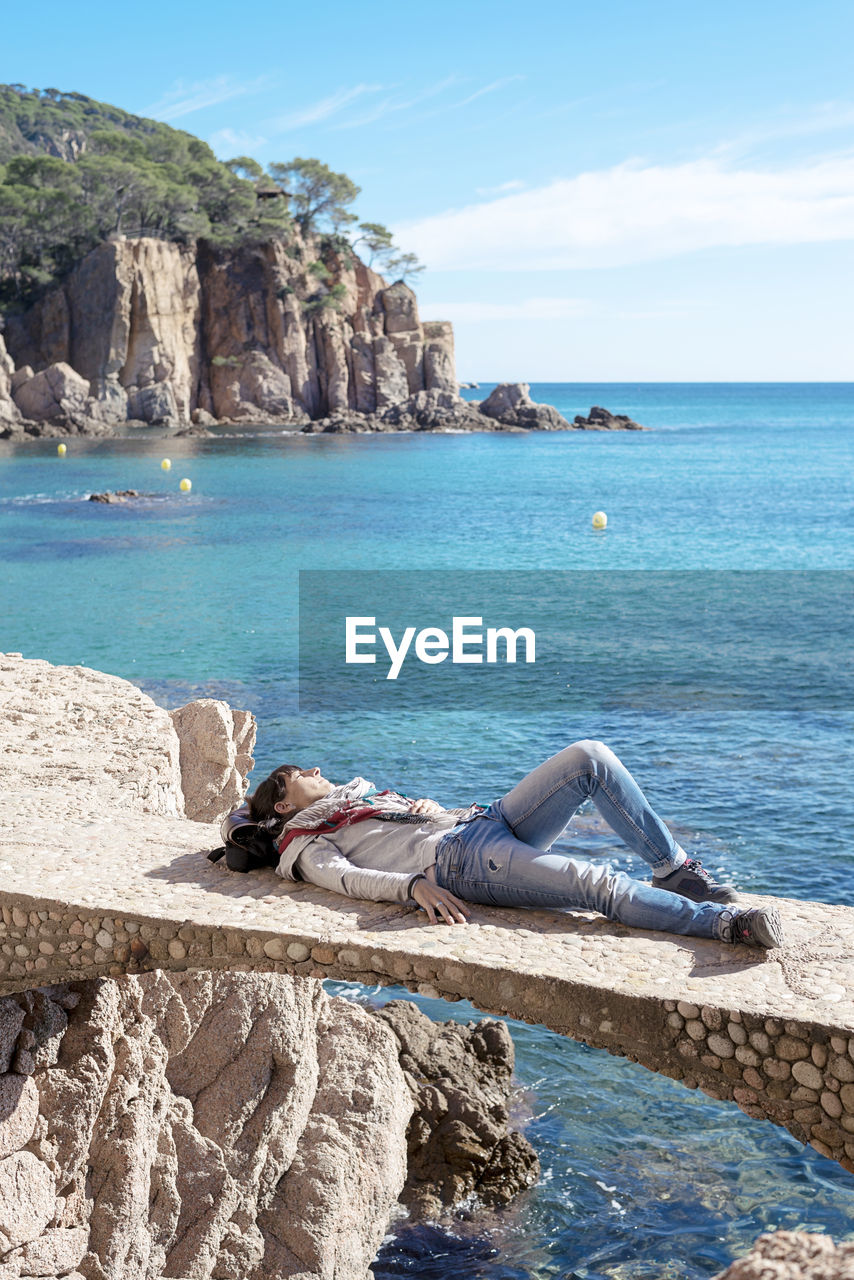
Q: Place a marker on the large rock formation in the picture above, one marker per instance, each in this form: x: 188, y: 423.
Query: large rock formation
x: 160, y: 330
x: 236, y: 1126
x: 149, y: 331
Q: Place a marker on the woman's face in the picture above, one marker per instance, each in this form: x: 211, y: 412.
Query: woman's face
x: 302, y: 789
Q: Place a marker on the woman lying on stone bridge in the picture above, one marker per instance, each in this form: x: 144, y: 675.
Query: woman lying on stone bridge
x: 383, y: 846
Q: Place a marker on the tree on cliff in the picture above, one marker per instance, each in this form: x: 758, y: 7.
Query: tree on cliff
x: 379, y: 242
x: 318, y: 195
x: 74, y: 172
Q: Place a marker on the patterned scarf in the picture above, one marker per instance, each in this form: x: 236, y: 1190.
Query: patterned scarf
x: 354, y: 801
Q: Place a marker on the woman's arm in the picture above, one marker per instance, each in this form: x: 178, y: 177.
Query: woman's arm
x: 323, y: 865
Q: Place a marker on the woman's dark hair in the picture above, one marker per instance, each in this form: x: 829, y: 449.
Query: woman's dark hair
x: 262, y: 803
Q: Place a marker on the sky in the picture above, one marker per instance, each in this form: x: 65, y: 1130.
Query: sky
x: 620, y: 192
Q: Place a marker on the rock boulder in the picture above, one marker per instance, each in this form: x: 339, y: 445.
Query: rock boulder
x: 215, y: 755
x: 600, y: 419
x: 511, y: 404
x: 236, y: 1126
x: 458, y: 1140
x: 56, y: 392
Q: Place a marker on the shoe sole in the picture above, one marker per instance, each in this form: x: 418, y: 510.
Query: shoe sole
x: 768, y: 928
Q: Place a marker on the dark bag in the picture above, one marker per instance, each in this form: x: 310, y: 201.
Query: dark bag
x: 248, y: 846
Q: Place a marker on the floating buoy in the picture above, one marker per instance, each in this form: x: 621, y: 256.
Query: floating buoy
x: 186, y: 485
x: 62, y: 450
x: 166, y: 464
x: 600, y: 520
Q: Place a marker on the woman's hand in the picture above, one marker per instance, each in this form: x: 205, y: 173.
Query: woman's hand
x: 428, y: 807
x: 432, y: 899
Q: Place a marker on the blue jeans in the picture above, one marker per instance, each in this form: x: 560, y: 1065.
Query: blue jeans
x: 502, y: 857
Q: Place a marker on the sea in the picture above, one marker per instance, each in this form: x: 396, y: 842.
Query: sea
x: 725, y: 687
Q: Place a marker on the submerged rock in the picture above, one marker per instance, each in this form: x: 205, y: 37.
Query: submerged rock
x: 120, y: 495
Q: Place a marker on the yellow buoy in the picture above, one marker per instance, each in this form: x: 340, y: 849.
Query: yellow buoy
x: 62, y: 450
x: 186, y: 485
x: 600, y: 520
x: 166, y: 464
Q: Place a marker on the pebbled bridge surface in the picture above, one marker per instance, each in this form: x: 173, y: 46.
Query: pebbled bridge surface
x: 101, y: 876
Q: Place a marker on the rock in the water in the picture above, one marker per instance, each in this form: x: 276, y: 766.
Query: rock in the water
x: 216, y: 756
x: 120, y: 495
x: 436, y: 411
x: 511, y: 404
x: 600, y: 419
x: 458, y: 1139
x: 794, y: 1255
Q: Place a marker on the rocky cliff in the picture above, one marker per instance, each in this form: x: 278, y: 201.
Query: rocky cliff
x: 217, y: 1125
x: 161, y: 331
x: 150, y: 331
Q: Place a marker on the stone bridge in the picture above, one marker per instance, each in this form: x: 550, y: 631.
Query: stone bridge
x: 101, y: 874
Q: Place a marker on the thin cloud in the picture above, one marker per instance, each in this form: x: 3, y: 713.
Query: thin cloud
x: 390, y: 105
x: 515, y: 184
x: 823, y: 117
x: 638, y: 212
x: 544, y: 309
x: 463, y: 102
x: 323, y: 109
x: 186, y: 98
x: 487, y: 88
x: 235, y: 141
x: 527, y: 309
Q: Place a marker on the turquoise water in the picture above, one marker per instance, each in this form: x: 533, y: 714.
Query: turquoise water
x: 195, y: 594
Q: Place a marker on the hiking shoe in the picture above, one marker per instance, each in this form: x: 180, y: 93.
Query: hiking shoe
x: 693, y: 881
x: 758, y: 927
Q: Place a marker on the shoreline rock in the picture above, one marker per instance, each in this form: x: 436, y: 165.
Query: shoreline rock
x: 458, y: 1140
